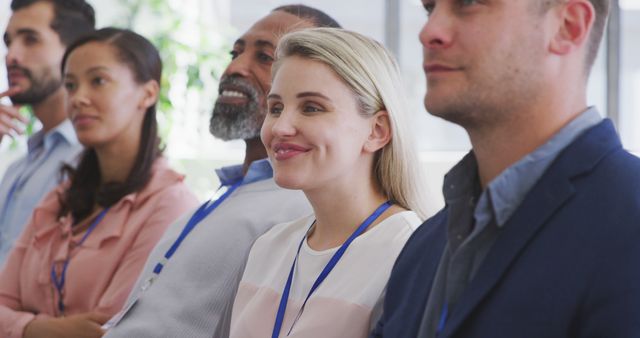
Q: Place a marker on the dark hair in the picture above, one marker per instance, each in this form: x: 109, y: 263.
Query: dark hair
x: 315, y: 16
x: 72, y: 18
x: 601, y: 8
x: 86, y: 188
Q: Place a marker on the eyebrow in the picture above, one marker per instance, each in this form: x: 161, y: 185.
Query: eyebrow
x: 312, y: 94
x: 264, y: 43
x: 96, y: 68
x: 300, y: 95
x: 258, y: 43
x: 89, y: 71
x: 240, y: 42
x: 21, y: 31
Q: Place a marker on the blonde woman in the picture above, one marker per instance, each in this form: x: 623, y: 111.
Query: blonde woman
x: 337, y: 129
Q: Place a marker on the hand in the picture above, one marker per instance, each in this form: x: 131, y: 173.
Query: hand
x: 86, y: 325
x: 9, y: 115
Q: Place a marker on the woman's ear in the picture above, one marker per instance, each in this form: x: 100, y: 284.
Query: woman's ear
x: 380, y: 134
x: 151, y: 90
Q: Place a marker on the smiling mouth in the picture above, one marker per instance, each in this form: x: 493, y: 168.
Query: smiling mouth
x: 233, y: 97
x: 233, y: 94
x: 287, y: 151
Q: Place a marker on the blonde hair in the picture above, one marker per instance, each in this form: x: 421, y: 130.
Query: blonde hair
x: 372, y: 73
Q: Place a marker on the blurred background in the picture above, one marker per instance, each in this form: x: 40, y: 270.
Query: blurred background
x: 195, y: 37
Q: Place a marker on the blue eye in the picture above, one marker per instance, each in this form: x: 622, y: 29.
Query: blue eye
x: 310, y: 109
x: 275, y: 109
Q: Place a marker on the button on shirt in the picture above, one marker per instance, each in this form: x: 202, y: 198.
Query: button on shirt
x: 475, y: 217
x: 30, y: 178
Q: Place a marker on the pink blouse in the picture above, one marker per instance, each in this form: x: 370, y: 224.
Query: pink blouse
x: 103, y: 270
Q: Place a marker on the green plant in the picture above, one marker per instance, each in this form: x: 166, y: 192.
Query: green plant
x: 27, y: 112
x: 206, y: 61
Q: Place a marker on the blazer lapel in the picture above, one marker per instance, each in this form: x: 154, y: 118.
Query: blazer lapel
x: 549, y: 194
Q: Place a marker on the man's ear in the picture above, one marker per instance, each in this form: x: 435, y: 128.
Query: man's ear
x: 576, y: 20
x: 151, y: 90
x: 380, y: 134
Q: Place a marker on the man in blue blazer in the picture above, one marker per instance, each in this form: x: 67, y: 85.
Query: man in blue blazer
x: 540, y: 236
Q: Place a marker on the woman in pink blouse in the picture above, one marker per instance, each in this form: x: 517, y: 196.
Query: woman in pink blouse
x: 78, y: 257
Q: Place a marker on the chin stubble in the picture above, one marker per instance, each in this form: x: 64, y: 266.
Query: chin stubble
x: 41, y: 88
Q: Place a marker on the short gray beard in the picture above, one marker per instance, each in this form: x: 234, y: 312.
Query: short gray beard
x: 234, y: 122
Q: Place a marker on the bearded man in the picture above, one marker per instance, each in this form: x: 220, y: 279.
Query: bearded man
x: 36, y: 37
x: 190, y: 279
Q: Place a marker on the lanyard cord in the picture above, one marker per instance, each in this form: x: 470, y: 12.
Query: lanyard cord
x: 203, y: 211
x: 443, y: 318
x: 59, y: 282
x: 325, y: 272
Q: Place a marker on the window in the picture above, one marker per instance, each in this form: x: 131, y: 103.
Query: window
x: 629, y: 123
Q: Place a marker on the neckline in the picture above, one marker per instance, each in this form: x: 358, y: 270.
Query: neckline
x: 364, y: 236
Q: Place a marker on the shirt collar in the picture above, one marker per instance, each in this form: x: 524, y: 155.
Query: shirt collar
x: 509, y: 189
x: 63, y: 131
x: 258, y: 170
x: 461, y: 181
x: 504, y: 194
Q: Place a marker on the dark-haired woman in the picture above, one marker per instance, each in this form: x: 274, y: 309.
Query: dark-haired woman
x: 75, y: 263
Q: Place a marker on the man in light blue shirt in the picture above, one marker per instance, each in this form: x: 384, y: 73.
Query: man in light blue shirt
x: 36, y: 37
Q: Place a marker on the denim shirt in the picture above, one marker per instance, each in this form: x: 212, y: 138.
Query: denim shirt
x: 30, y: 178
x: 475, y: 217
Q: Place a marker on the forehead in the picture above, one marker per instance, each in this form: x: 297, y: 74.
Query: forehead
x: 37, y: 17
x: 310, y: 75
x: 304, y: 67
x: 274, y: 26
x: 91, y: 55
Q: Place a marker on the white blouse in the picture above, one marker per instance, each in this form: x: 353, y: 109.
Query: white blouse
x: 343, y: 305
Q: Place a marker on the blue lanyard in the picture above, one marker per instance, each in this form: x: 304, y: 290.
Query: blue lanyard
x: 325, y: 272
x: 58, y: 282
x: 443, y: 318
x: 203, y: 211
